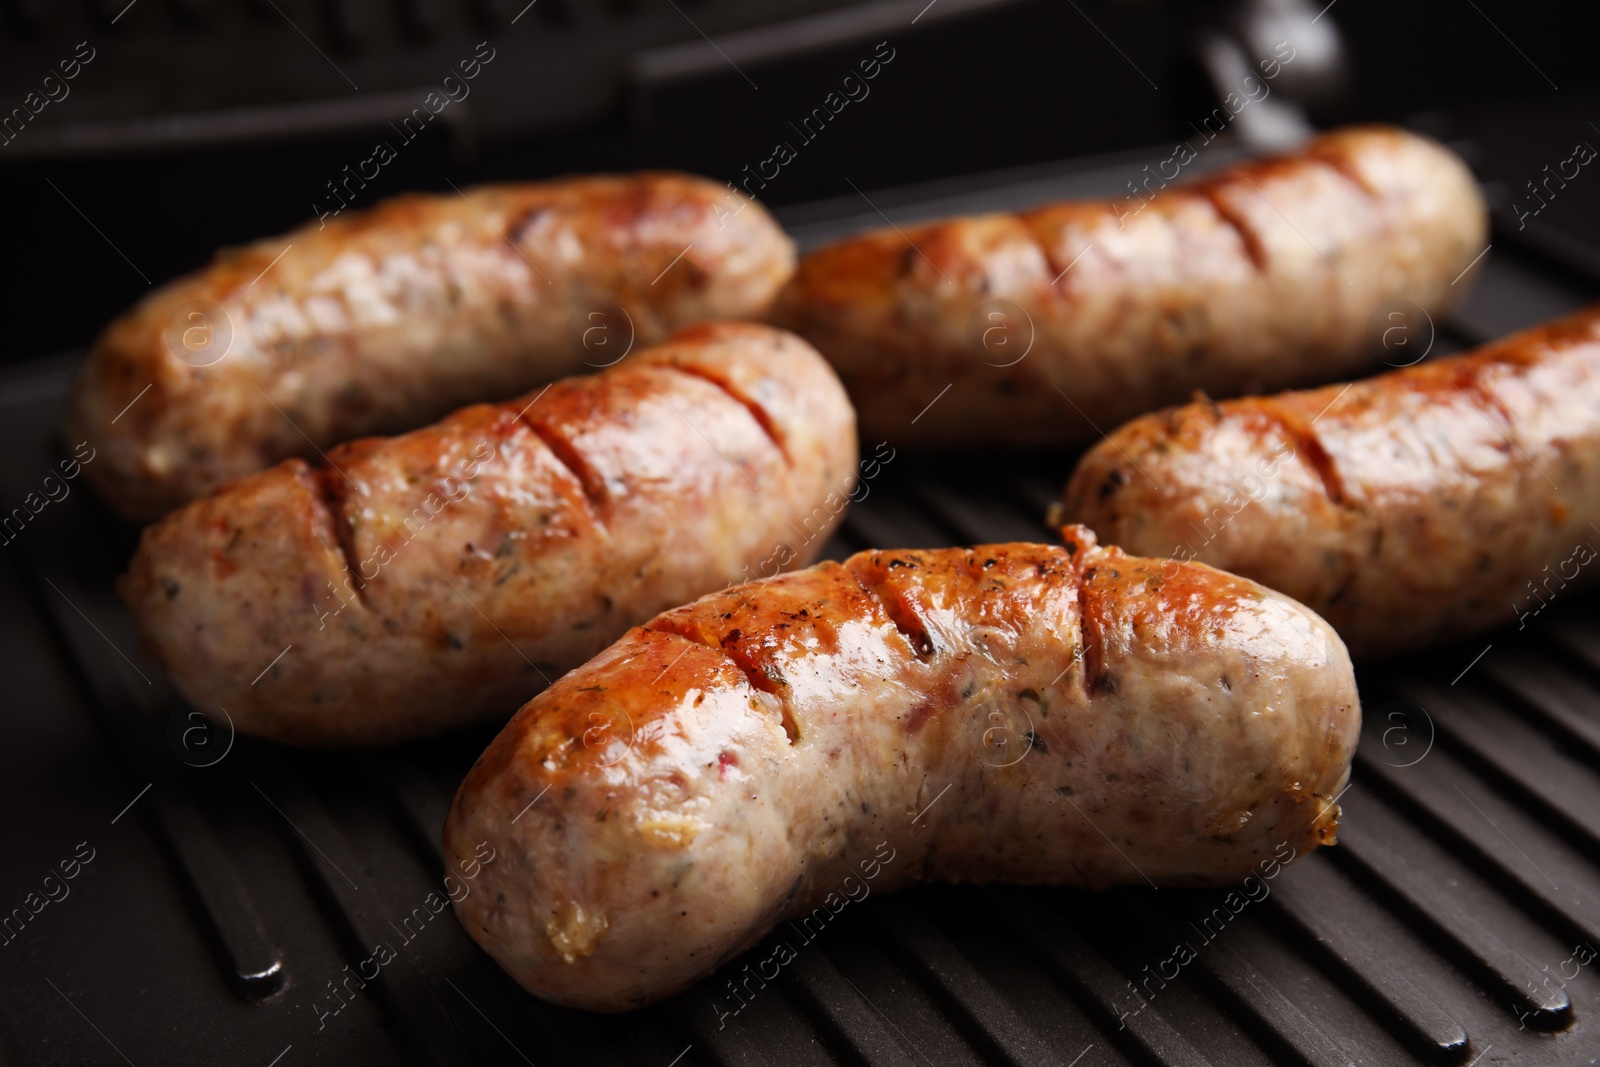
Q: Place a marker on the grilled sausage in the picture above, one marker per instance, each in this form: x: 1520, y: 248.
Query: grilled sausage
x: 1043, y: 325
x: 1018, y: 712
x: 383, y: 320
x: 1418, y: 506
x: 418, y: 582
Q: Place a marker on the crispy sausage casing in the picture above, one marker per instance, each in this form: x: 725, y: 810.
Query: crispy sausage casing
x: 1029, y: 713
x: 1414, y: 507
x: 380, y: 321
x: 437, y: 577
x: 1046, y: 323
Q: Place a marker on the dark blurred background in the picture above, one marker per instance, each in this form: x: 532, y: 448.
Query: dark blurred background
x: 191, y: 124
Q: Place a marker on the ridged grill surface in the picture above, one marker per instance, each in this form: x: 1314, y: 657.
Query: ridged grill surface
x: 226, y: 910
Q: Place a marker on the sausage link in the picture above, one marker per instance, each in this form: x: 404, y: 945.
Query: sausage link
x: 442, y: 576
x: 1027, y: 713
x: 1261, y: 276
x: 383, y: 320
x: 1418, y: 506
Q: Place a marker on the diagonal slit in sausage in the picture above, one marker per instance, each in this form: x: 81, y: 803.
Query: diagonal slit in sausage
x: 1422, y: 505
x: 594, y: 488
x: 430, y: 579
x: 1304, y: 436
x: 330, y: 494
x: 871, y: 576
x: 801, y: 743
x: 739, y: 657
x: 1248, y: 238
x: 757, y: 412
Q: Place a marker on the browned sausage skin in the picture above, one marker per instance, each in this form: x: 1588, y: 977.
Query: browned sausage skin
x: 427, y: 580
x: 1263, y: 275
x: 1418, y: 506
x: 1031, y: 713
x: 382, y: 320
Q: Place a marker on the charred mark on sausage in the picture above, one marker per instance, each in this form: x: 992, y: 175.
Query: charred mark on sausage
x: 568, y: 457
x: 1114, y: 481
x: 1304, y: 441
x: 1340, y: 164
x: 761, y: 676
x: 898, y: 609
x: 1230, y: 217
x: 763, y: 417
x: 328, y: 488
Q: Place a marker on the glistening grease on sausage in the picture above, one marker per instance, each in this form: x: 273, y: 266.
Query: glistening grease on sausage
x: 380, y: 321
x: 1418, y: 506
x: 1040, y: 326
x: 418, y: 582
x: 1018, y: 712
